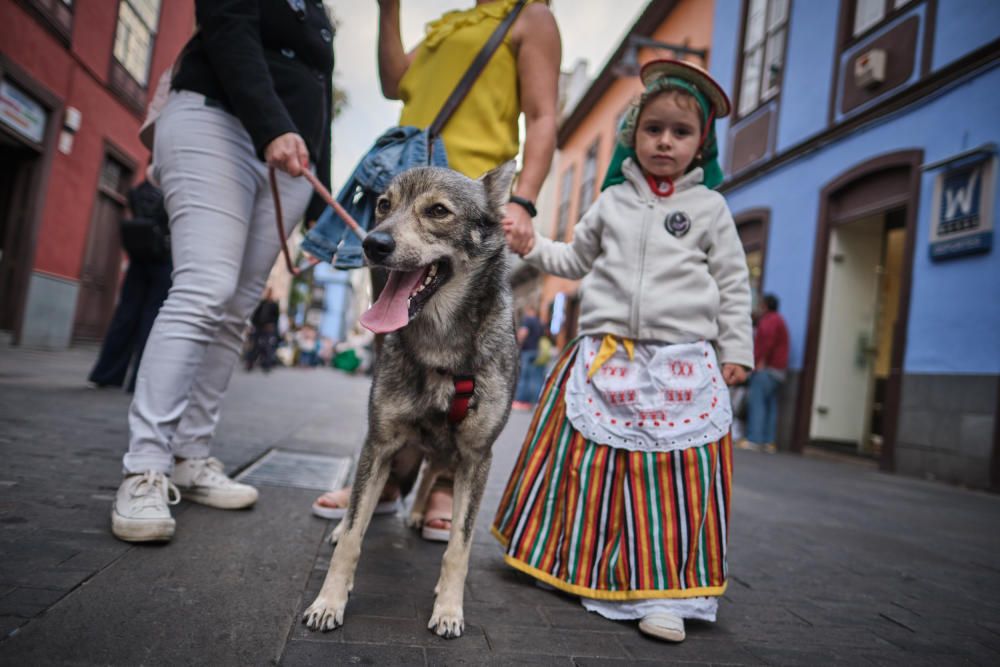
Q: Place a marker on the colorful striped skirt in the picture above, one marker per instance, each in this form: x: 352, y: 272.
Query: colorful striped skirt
x: 609, y: 523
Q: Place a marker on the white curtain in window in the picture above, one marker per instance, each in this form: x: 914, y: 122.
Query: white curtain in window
x: 773, y: 64
x: 867, y: 13
x: 137, y: 23
x: 750, y: 87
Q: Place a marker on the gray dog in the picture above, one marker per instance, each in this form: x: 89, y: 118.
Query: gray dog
x: 446, y: 308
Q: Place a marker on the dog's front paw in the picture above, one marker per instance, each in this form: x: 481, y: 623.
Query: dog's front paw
x: 325, y: 614
x: 447, y: 622
x: 415, y: 520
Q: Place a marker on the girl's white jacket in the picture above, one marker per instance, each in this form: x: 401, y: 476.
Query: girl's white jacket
x: 646, y: 283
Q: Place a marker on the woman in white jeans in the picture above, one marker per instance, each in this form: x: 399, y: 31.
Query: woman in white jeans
x: 224, y: 123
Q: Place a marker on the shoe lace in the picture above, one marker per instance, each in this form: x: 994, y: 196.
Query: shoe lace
x: 215, y: 470
x: 153, y: 489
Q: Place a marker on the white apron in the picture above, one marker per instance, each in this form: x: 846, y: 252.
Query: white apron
x: 666, y: 398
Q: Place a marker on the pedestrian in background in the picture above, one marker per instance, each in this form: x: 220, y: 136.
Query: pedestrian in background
x: 620, y: 492
x: 264, y: 332
x: 307, y: 343
x: 529, y: 383
x: 146, y: 240
x: 522, y: 76
x: 252, y: 89
x: 770, y: 368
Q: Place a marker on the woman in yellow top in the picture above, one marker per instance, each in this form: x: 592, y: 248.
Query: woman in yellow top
x: 521, y: 77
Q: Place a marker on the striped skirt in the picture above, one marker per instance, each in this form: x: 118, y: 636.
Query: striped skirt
x: 609, y: 523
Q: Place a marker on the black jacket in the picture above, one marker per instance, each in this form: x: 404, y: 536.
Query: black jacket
x: 270, y: 63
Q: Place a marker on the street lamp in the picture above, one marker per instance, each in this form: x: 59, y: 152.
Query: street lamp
x: 629, y: 64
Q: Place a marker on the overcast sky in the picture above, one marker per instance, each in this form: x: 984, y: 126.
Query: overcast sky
x: 591, y: 29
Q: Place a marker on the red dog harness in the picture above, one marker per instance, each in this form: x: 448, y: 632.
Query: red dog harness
x: 465, y: 385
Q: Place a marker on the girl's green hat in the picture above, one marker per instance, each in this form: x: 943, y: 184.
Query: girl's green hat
x: 711, y: 98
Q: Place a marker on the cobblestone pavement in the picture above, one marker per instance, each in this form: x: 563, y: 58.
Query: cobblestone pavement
x: 832, y: 563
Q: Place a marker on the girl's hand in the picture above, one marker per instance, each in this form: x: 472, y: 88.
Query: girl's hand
x: 518, y: 230
x: 288, y: 153
x: 733, y: 374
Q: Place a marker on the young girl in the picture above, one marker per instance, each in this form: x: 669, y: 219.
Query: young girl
x: 621, y: 491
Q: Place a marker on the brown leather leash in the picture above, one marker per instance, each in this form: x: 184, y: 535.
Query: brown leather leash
x: 325, y: 196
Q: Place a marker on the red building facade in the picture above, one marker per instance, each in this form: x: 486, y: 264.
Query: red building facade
x: 75, y: 76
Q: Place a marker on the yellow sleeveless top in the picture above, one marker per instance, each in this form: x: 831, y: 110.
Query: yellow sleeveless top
x: 483, y: 132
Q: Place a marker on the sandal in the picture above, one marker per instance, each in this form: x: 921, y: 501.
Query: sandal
x: 333, y: 504
x: 441, y: 532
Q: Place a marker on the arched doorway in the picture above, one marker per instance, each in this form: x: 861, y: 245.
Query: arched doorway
x: 859, y: 308
x: 752, y: 226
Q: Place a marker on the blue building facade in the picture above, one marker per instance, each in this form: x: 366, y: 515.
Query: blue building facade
x: 861, y: 170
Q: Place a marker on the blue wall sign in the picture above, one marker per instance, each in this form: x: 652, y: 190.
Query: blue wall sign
x: 962, y: 215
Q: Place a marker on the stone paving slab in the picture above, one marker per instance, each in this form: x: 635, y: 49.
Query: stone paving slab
x: 831, y: 563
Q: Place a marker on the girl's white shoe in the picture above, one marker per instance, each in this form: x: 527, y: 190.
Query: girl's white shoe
x: 667, y: 627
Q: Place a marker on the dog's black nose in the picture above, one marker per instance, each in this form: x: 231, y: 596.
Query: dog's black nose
x: 378, y: 246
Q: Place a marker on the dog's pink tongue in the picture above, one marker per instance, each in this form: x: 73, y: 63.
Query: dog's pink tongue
x: 392, y: 310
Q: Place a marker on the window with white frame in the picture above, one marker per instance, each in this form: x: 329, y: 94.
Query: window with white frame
x: 869, y: 13
x: 763, y: 52
x: 565, y: 198
x: 137, y: 24
x: 589, y: 176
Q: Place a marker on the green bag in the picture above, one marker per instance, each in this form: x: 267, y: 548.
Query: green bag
x: 544, y: 351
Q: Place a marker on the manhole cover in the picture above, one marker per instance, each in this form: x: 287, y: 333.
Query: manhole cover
x: 298, y: 470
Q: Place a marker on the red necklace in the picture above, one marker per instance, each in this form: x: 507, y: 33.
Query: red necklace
x: 660, y: 189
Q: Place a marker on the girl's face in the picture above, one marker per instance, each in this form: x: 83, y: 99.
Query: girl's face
x: 667, y: 135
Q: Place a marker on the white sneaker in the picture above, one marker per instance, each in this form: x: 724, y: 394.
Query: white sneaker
x: 141, y: 511
x: 202, y: 481
x: 663, y: 626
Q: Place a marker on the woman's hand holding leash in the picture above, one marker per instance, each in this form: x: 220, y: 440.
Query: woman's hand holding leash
x: 288, y: 153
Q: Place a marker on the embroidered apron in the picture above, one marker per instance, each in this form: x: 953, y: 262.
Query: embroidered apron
x: 663, y: 398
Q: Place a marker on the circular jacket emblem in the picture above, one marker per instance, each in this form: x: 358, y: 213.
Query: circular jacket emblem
x: 677, y: 223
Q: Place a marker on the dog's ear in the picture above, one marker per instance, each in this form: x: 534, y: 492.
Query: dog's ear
x: 497, y: 183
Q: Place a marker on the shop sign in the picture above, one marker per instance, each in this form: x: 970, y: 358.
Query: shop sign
x: 21, y: 113
x: 962, y: 208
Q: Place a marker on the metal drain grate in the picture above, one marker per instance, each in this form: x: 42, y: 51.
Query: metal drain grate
x: 298, y: 470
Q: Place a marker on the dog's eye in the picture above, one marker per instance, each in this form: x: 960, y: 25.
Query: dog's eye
x: 437, y: 211
x: 382, y: 206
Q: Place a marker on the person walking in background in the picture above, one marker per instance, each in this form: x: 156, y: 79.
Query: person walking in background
x: 146, y: 239
x: 521, y: 77
x: 621, y: 491
x: 252, y: 90
x: 307, y: 342
x: 770, y: 368
x: 264, y: 336
x: 529, y: 383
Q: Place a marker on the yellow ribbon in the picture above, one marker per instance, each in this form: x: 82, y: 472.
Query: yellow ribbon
x: 609, y: 345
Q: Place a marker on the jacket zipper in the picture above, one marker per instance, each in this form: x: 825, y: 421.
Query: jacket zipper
x: 634, y: 329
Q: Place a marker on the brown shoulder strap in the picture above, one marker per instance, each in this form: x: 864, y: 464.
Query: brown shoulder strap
x: 471, y: 74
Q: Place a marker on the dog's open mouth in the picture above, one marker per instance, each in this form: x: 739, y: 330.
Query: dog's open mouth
x: 404, y: 295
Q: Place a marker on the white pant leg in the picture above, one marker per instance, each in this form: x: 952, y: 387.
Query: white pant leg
x: 212, y: 183
x: 194, y: 434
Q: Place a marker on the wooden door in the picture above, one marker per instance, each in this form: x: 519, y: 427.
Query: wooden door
x: 102, y: 260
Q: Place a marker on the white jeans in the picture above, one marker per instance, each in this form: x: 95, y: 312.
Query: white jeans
x: 224, y: 242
